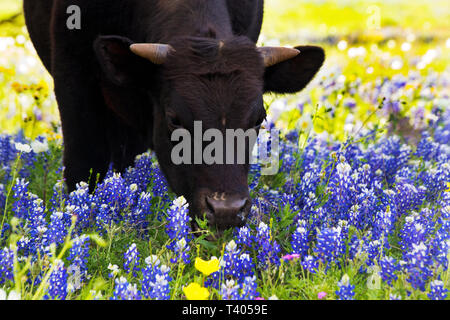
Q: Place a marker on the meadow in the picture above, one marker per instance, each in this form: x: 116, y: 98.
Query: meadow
x: 360, y: 208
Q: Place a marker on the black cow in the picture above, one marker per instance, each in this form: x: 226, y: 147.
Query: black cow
x: 139, y: 69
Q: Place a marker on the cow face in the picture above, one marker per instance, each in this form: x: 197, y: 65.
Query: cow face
x: 200, y: 85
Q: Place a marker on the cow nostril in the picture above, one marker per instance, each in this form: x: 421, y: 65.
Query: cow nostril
x: 226, y: 205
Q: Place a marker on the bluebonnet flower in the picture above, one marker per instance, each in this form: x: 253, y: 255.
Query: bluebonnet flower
x: 416, y: 229
x: 118, y: 195
x: 130, y: 196
x: 349, y: 102
x: 7, y: 155
x: 125, y: 291
x: 229, y: 290
x: 288, y: 163
x: 417, y: 263
x: 112, y: 196
x: 159, y: 186
x: 268, y: 248
x: 181, y: 251
x: 389, y: 268
x: 255, y: 174
x: 288, y: 200
x: 437, y: 290
x: 346, y: 290
x: 178, y: 230
x: 374, y: 250
x: 80, y: 203
x: 310, y: 264
x: 244, y: 265
x: 319, y: 219
x: 384, y: 222
x: 308, y: 184
x: 161, y: 287
x: 78, y: 256
x: 355, y: 247
x: 408, y: 197
x: 440, y: 245
x: 435, y: 178
x: 389, y: 155
x: 273, y: 199
x: 292, y: 136
x: 23, y: 246
x: 6, y: 265
x: 141, y: 173
x: 330, y: 245
x: 104, y: 219
x: 22, y: 205
x: 37, y: 225
x: 156, y: 279
x: 299, y: 240
x: 57, y: 283
x: 244, y: 237
x: 248, y: 288
x: 236, y: 263
x: 342, y: 191
x: 59, y: 196
x: 132, y: 260
x: 265, y: 204
x: 57, y: 229
x: 137, y: 217
x: 427, y: 149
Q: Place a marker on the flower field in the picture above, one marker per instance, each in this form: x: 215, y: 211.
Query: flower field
x: 360, y: 208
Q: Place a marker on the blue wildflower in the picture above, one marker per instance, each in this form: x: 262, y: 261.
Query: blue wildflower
x: 6, y: 265
x: 389, y: 267
x: 178, y: 230
x: 156, y: 279
x: 57, y: 283
x: 125, y: 291
x: 437, y: 290
x: 346, y: 290
x: 132, y: 260
x: 78, y: 256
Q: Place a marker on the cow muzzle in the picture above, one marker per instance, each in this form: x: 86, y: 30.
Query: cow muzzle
x: 226, y: 211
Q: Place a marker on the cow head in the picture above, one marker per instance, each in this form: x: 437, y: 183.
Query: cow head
x: 219, y: 83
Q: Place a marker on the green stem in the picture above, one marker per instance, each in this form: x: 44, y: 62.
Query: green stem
x: 179, y: 272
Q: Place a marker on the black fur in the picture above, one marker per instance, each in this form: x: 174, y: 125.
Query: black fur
x: 115, y: 105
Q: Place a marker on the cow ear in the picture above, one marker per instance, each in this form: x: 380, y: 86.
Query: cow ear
x: 119, y: 65
x: 294, y: 74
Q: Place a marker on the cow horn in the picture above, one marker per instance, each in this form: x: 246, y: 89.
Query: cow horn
x: 155, y: 52
x: 274, y: 55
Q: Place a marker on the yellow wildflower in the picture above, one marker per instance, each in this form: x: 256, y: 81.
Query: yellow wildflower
x: 207, y: 267
x: 196, y: 292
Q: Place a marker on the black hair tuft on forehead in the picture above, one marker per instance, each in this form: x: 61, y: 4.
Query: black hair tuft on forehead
x: 197, y: 56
